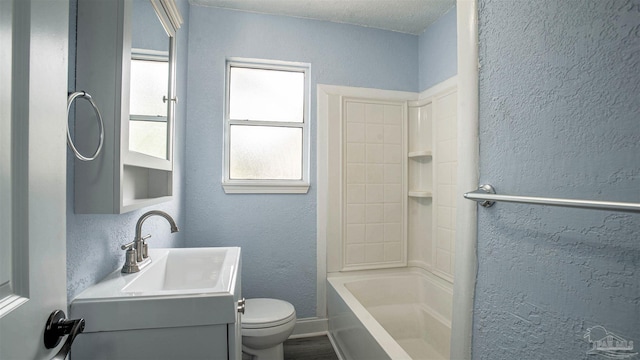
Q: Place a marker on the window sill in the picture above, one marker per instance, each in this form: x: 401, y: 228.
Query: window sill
x: 272, y: 188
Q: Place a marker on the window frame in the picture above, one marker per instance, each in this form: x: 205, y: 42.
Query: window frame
x: 267, y: 186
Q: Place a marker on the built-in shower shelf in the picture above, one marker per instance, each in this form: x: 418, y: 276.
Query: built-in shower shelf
x: 420, y: 194
x: 420, y: 153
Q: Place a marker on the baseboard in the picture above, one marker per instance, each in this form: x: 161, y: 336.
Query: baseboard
x: 307, y: 327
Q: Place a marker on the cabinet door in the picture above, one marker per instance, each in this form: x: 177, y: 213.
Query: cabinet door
x: 120, y: 180
x: 188, y: 342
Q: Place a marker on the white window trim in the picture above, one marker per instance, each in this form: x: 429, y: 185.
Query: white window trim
x: 234, y: 186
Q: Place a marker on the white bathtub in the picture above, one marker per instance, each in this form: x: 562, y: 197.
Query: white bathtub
x: 398, y: 314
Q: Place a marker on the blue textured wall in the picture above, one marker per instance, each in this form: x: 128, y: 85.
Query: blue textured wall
x: 438, y: 53
x: 277, y: 233
x: 559, y: 117
x: 93, y: 241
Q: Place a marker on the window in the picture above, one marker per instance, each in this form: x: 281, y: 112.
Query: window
x: 266, y: 147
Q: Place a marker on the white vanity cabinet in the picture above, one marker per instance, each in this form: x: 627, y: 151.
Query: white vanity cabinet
x: 122, y: 178
x: 186, y: 304
x: 209, y: 341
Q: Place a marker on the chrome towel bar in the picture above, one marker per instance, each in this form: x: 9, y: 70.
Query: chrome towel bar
x: 486, y: 196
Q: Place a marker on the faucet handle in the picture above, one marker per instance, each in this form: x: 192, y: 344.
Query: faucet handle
x: 128, y: 246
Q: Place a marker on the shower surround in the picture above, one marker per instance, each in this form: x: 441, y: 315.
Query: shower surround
x: 389, y: 162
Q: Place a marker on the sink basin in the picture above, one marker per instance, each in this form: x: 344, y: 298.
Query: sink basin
x: 184, y: 271
x: 181, y: 287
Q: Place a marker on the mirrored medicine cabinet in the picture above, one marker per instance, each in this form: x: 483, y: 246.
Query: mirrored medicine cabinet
x: 126, y: 60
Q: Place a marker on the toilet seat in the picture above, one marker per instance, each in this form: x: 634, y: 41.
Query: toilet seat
x: 264, y: 313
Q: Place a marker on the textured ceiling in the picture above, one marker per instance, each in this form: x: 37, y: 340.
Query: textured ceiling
x: 407, y: 16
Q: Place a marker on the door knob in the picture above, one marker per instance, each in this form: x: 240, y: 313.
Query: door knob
x: 56, y: 328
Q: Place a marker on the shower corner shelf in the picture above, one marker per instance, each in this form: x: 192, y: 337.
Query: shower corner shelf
x: 420, y: 194
x: 420, y: 153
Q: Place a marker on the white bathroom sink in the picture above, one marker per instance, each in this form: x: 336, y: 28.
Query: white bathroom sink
x: 181, y: 287
x: 184, y: 271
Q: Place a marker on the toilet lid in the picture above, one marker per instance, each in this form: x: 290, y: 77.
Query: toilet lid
x: 262, y: 313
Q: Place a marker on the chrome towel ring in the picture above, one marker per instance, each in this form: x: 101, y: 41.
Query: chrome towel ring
x: 70, y: 100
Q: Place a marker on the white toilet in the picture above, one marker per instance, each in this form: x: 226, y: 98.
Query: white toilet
x: 266, y: 324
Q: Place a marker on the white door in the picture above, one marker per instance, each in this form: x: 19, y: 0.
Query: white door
x: 33, y: 93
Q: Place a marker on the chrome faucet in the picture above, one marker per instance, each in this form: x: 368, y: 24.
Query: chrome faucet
x: 137, y: 255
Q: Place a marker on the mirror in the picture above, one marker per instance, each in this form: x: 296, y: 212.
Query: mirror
x: 150, y: 83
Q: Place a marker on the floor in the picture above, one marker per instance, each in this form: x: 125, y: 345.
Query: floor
x: 310, y: 348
